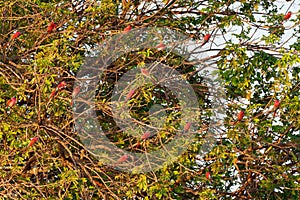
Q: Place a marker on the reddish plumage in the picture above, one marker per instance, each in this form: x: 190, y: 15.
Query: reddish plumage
x: 205, y: 39
x: 287, y: 16
x: 98, y: 184
x: 127, y: 29
x: 276, y: 106
x: 33, y: 141
x: 51, y: 26
x: 146, y: 135
x: 15, y: 35
x: 161, y: 46
x: 62, y: 85
x: 129, y: 95
x: 239, y: 117
x: 208, y: 176
x: 76, y: 91
x: 123, y: 158
x: 11, y: 102
x: 144, y: 72
x: 187, y: 126
x: 276, y: 103
x: 53, y: 93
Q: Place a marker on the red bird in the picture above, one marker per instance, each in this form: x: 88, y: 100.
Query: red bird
x: 276, y: 103
x: 208, y: 176
x: 146, y: 135
x: 11, y: 102
x: 129, y: 95
x: 276, y: 106
x: 98, y: 184
x: 62, y: 85
x: 51, y: 26
x: 240, y: 117
x: 15, y: 35
x: 76, y: 91
x: 161, y: 46
x: 145, y: 72
x: 127, y: 29
x: 53, y: 93
x: 287, y: 16
x: 205, y: 39
x: 186, y: 127
x: 123, y: 158
x: 32, y: 141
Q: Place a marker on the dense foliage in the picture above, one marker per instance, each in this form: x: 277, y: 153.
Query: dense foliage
x: 254, y: 46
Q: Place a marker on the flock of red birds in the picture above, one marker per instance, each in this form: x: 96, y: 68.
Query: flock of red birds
x: 13, y: 101
x: 206, y: 37
x: 241, y: 114
x: 50, y: 28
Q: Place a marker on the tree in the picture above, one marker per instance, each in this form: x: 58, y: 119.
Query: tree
x: 255, y: 50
